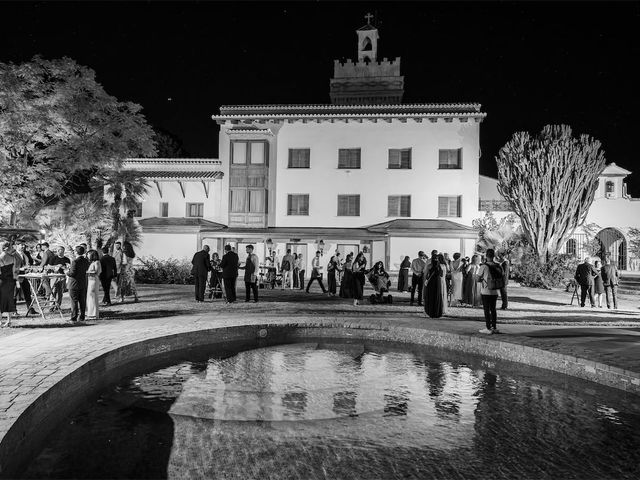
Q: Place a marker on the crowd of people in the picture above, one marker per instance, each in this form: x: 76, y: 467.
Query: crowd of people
x: 436, y: 282
x: 80, y: 275
x: 440, y: 280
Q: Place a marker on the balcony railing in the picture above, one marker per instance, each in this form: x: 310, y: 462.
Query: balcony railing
x: 494, y: 205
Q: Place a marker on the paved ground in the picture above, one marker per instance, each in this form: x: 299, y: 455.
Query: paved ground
x: 33, y: 359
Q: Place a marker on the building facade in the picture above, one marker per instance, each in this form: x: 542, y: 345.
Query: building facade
x: 363, y: 173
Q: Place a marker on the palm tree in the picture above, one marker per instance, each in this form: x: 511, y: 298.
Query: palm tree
x: 87, y: 213
x: 126, y: 187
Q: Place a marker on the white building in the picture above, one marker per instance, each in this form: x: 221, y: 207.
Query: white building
x: 365, y: 172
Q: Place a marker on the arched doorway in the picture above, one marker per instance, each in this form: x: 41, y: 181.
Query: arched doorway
x: 612, y: 242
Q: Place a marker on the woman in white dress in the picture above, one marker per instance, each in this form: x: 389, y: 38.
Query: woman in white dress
x: 456, y: 280
x: 93, y: 282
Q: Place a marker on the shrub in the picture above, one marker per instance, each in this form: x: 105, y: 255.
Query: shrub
x: 166, y: 271
x: 558, y: 271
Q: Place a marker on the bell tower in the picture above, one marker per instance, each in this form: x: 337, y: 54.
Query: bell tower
x: 367, y: 41
x: 368, y: 81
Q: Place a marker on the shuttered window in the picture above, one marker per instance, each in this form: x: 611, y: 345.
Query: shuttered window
x: 349, y: 158
x: 450, y: 159
x: 399, y: 206
x: 238, y: 201
x: 195, y: 209
x: 299, y: 158
x: 164, y: 209
x: 297, y: 204
x: 449, y: 206
x: 348, y: 205
x: 400, y: 158
x: 257, y: 201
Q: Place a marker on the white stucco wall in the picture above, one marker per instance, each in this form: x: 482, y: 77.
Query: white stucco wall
x: 620, y: 213
x: 165, y: 245
x: 194, y: 193
x: 374, y: 181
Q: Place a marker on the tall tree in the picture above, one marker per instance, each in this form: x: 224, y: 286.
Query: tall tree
x: 550, y: 181
x: 58, y: 125
x: 168, y: 145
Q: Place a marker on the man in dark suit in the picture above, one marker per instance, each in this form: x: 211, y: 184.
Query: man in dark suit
x: 585, y: 273
x: 610, y: 279
x: 200, y: 270
x: 229, y: 265
x: 107, y: 274
x: 77, y: 284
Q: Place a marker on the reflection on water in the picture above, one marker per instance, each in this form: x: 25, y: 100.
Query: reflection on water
x: 337, y: 411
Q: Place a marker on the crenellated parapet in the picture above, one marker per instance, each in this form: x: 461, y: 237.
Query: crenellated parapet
x: 360, y: 69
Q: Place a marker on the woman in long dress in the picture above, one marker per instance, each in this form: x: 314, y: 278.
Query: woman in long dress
x: 456, y: 280
x: 598, y: 284
x: 296, y: 271
x: 472, y: 294
x: 359, y: 269
x: 403, y: 275
x: 346, y: 286
x: 93, y: 272
x: 435, y: 289
x: 126, y: 282
x: 8, y: 277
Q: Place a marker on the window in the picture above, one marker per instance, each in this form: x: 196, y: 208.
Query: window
x: 238, y: 201
x: 609, y: 187
x: 450, y: 159
x: 571, y: 246
x: 253, y: 152
x: 195, y: 209
x: 256, y: 201
x: 348, y: 205
x: 449, y: 206
x: 399, y: 206
x: 349, y: 158
x: 400, y: 158
x: 238, y: 152
x: 257, y: 153
x: 299, y: 157
x: 137, y: 211
x: 298, y: 204
x: 164, y: 209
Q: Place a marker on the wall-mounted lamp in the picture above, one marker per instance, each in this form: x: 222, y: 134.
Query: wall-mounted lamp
x: 365, y: 249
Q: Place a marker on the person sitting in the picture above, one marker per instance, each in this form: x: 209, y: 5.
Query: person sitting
x: 379, y: 278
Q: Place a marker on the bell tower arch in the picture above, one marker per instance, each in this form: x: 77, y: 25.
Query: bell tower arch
x: 367, y: 41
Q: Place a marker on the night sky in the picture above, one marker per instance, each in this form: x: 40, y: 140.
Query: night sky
x: 529, y: 64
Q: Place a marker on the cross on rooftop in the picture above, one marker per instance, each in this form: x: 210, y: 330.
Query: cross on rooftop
x: 368, y: 16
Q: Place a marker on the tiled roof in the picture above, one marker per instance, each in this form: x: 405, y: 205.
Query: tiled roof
x: 182, y: 175
x: 179, y: 222
x: 410, y: 224
x: 173, y: 161
x: 317, y: 109
x: 614, y: 170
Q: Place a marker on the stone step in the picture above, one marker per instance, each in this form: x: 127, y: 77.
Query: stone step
x: 628, y: 291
